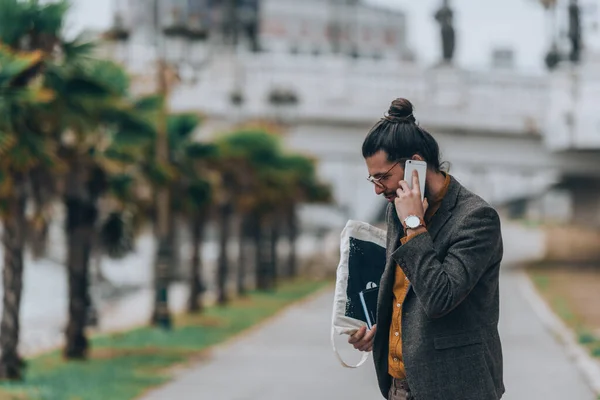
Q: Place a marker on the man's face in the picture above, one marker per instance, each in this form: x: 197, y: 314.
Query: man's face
x: 385, y: 175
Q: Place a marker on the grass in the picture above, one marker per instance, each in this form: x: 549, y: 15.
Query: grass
x: 573, y: 295
x: 125, y: 365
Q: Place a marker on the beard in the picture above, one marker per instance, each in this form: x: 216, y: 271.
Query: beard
x: 391, y: 195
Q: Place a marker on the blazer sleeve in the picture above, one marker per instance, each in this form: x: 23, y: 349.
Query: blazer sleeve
x: 442, y: 286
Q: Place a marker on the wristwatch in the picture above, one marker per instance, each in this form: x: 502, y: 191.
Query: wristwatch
x: 413, y: 222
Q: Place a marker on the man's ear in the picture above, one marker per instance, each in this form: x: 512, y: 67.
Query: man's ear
x: 417, y: 157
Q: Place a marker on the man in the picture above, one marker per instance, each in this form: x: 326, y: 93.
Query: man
x: 436, y: 336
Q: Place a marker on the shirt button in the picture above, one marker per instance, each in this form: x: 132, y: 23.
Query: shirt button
x: 397, y: 334
x: 398, y: 305
x: 395, y: 359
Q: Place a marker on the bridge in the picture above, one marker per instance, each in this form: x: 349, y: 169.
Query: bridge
x: 507, y: 135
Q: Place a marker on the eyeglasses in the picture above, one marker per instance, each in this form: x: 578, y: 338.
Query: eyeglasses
x: 378, y: 181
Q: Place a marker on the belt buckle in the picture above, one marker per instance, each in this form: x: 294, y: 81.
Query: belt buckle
x: 403, y: 384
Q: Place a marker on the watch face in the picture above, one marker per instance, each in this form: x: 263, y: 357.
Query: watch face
x: 412, y: 221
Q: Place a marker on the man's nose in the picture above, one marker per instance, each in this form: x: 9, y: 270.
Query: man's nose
x: 379, y: 189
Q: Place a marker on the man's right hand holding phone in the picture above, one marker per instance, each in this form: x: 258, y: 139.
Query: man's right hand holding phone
x: 362, y: 339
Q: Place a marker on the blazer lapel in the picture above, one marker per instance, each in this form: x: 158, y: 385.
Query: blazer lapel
x: 444, y: 213
x: 395, y: 232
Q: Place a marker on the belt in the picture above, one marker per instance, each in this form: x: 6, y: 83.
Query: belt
x: 400, y: 384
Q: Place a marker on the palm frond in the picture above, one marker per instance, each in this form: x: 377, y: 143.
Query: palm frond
x: 81, y: 85
x: 159, y: 174
x: 18, y: 68
x: 111, y: 76
x: 7, y: 141
x: 199, y: 151
x: 77, y: 50
x: 258, y: 147
x: 131, y: 128
x: 199, y: 193
x: 180, y: 127
x: 121, y: 186
x: 50, y: 17
x: 122, y: 153
x: 149, y: 104
x: 15, y: 21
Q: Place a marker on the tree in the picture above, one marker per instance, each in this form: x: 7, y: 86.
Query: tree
x: 28, y: 33
x: 94, y: 107
x: 304, y: 187
x: 191, y: 192
x: 90, y: 110
x: 267, y: 185
x: 243, y: 159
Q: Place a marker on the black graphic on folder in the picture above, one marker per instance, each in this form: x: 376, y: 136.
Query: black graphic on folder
x: 366, y: 263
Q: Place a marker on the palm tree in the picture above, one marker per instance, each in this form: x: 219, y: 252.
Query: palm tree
x: 28, y: 36
x: 21, y: 150
x: 104, y: 115
x: 191, y: 192
x: 91, y: 110
x: 276, y: 184
x: 303, y: 187
x: 243, y: 157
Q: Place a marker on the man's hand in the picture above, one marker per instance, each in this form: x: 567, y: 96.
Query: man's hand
x: 362, y: 339
x: 409, y: 201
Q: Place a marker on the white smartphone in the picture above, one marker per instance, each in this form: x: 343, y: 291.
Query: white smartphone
x: 421, y: 168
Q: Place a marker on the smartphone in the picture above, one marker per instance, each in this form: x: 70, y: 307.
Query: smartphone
x: 421, y: 168
x: 368, y: 299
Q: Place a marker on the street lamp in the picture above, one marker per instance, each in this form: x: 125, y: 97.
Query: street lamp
x: 177, y: 43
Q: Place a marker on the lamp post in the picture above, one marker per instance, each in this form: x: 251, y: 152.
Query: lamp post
x: 179, y: 43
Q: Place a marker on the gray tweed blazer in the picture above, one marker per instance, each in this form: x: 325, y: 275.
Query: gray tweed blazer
x: 450, y: 342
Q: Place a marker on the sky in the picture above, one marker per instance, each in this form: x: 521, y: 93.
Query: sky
x: 481, y: 25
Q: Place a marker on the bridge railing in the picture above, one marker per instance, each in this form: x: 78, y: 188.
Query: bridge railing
x: 361, y: 90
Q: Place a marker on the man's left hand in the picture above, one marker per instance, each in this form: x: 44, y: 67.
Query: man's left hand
x: 409, y: 201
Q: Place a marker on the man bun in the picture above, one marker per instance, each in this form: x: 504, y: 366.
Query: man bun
x: 401, y: 110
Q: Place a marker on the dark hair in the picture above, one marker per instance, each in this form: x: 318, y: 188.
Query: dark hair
x: 400, y: 137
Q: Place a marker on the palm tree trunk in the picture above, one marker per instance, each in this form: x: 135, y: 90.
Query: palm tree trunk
x: 292, y: 263
x: 273, y: 262
x: 225, y: 213
x: 242, y: 256
x: 81, y: 217
x: 41, y: 191
x: 13, y: 241
x: 195, y: 303
x: 174, y: 240
x: 262, y: 248
x: 39, y: 240
x: 256, y: 241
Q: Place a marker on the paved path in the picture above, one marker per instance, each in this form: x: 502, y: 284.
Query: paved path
x: 290, y: 358
x: 536, y: 366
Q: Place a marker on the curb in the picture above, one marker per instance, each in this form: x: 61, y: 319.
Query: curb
x: 585, y: 363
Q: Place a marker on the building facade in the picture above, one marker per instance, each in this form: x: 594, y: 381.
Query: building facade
x: 315, y: 27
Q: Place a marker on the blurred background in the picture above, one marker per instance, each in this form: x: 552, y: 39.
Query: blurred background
x: 174, y: 172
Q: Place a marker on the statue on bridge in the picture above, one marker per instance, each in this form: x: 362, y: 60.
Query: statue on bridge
x: 575, y: 31
x: 444, y: 17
